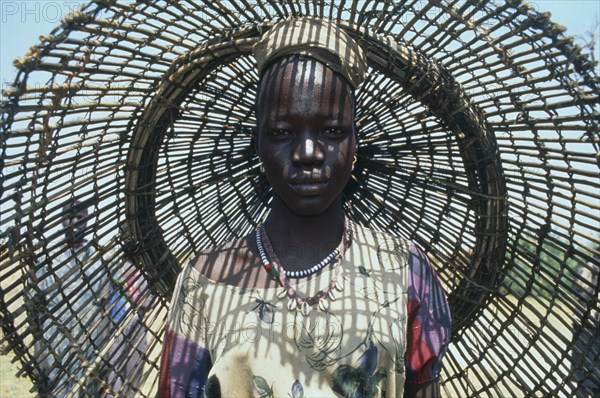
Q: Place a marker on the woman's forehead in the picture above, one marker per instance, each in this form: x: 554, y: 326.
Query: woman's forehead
x: 289, y: 73
x: 304, y: 84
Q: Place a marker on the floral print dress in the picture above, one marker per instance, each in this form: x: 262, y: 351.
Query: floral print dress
x: 390, y: 324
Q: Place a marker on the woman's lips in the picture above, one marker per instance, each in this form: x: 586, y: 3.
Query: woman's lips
x: 308, y: 188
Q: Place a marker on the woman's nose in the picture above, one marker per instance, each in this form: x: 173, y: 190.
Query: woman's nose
x: 308, y: 151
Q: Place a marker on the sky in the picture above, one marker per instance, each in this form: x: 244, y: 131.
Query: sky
x: 23, y: 21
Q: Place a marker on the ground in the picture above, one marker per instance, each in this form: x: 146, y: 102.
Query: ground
x: 10, y: 385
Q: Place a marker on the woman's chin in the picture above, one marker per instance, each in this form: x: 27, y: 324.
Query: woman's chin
x: 309, y: 206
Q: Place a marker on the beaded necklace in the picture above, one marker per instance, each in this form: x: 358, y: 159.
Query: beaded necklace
x: 296, y: 302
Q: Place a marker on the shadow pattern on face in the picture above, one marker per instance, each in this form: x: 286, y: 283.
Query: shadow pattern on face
x: 306, y: 135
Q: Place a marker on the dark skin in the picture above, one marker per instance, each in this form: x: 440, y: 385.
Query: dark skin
x: 74, y: 224
x: 307, y: 146
x: 306, y: 139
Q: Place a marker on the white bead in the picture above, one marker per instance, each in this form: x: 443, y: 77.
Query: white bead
x: 332, y: 295
x: 292, y: 304
x: 323, y: 305
x: 305, y: 309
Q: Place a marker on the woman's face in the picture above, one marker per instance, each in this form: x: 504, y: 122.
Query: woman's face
x: 306, y: 137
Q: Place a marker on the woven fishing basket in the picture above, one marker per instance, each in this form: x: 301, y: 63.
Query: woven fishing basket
x: 478, y: 140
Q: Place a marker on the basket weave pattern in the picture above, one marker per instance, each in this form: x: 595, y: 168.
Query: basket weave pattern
x: 478, y: 140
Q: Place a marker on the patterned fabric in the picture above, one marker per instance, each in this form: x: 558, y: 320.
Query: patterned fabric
x: 429, y: 320
x: 128, y: 289
x: 316, y: 38
x: 74, y: 286
x: 124, y: 375
x: 390, y: 324
x: 128, y: 302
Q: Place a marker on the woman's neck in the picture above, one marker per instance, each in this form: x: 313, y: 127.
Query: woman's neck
x: 302, y: 241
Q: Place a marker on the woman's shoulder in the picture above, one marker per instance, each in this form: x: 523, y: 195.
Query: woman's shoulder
x: 381, y: 240
x: 214, y: 262
x: 392, y: 246
x: 232, y: 263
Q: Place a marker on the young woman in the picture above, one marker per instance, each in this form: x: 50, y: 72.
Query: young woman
x: 310, y: 304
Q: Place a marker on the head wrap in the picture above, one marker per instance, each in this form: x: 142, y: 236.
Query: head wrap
x: 316, y: 38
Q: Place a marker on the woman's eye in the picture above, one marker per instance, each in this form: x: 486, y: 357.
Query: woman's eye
x: 334, y: 132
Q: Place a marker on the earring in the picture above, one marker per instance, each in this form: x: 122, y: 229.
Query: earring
x: 261, y: 167
x: 353, y: 163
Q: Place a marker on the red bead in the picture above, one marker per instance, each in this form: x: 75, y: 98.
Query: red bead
x: 268, y: 267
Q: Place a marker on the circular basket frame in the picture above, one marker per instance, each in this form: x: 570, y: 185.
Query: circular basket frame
x: 479, y: 141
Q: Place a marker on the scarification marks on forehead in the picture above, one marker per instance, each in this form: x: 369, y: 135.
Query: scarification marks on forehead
x: 299, y: 85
